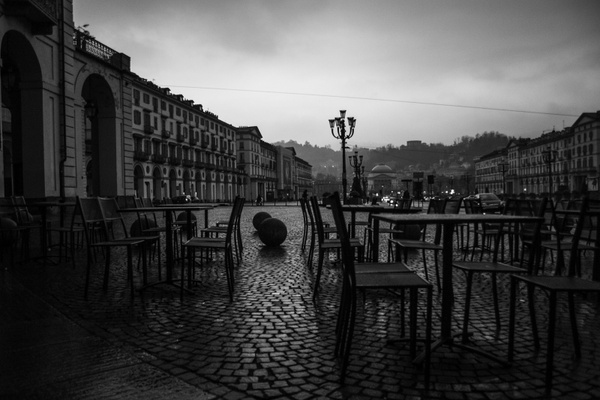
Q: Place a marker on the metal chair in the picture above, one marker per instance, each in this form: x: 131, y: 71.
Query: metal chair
x: 354, y: 281
x: 570, y: 284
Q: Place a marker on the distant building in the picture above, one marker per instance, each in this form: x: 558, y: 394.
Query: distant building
x: 382, y: 180
x: 557, y: 161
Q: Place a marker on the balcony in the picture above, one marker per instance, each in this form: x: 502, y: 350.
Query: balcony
x: 141, y: 155
x: 180, y: 137
x: 149, y: 129
x: 43, y: 14
x: 193, y: 140
x: 166, y: 134
x: 199, y: 164
x: 175, y: 160
x: 204, y: 144
x: 85, y: 43
x: 158, y: 158
x: 186, y: 162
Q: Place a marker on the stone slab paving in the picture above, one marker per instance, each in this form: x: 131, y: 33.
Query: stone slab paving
x: 272, y: 342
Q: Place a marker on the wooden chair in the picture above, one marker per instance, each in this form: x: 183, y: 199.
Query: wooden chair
x: 354, y: 282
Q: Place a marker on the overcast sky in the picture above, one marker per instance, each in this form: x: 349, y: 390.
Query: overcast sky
x: 406, y: 70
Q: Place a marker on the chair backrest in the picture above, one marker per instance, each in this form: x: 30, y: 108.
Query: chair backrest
x: 21, y: 210
x: 582, y: 218
x: 403, y: 203
x: 318, y: 220
x: 452, y: 206
x: 472, y: 206
x: 113, y: 220
x: 344, y: 236
x: 436, y: 206
x: 234, y: 217
x: 91, y: 215
x: 303, y: 205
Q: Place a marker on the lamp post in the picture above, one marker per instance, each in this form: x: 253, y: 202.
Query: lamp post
x: 340, y: 133
x: 503, y: 165
x: 549, y: 157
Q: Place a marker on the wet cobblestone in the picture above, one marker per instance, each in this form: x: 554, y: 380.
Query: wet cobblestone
x: 271, y: 342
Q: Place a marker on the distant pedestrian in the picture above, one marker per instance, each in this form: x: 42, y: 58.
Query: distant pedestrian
x: 305, y: 195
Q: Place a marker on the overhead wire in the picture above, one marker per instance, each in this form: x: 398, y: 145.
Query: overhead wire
x: 425, y: 103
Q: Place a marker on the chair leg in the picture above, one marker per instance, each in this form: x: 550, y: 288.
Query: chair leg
x: 496, y: 305
x: 319, y: 269
x: 511, y: 318
x: 574, y: 331
x: 347, y: 343
x: 534, y: 329
x: 465, y: 330
x: 437, y: 271
x: 550, y: 346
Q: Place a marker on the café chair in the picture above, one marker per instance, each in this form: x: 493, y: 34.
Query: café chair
x: 70, y: 233
x: 99, y: 236
x: 568, y: 282
x: 391, y: 230
x: 402, y: 246
x: 214, y: 244
x: 313, y: 230
x: 327, y: 245
x: 494, y: 267
x: 221, y: 229
x: 354, y: 281
x: 27, y: 222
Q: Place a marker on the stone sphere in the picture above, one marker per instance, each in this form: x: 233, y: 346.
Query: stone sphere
x: 259, y: 218
x: 139, y: 225
x: 7, y: 236
x: 272, y: 232
x: 182, y: 217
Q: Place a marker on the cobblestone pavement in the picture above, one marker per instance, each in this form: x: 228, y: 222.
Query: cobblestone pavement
x: 272, y: 342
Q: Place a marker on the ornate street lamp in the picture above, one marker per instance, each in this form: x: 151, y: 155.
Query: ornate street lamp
x: 503, y: 165
x: 549, y: 157
x: 340, y: 133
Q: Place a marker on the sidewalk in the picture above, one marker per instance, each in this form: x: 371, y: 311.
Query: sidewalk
x: 271, y: 342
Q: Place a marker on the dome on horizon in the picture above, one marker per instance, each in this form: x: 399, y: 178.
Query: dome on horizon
x: 382, y: 168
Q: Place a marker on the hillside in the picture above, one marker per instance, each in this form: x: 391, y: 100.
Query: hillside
x: 420, y: 157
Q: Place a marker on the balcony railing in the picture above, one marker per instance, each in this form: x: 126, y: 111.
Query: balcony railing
x: 158, y: 158
x: 193, y: 140
x: 42, y: 13
x: 141, y: 155
x: 175, y: 160
x: 86, y: 43
x: 180, y: 137
x: 149, y: 129
x: 166, y: 134
x: 186, y: 162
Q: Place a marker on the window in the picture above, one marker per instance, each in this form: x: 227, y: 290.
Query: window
x: 146, y: 98
x: 137, y: 117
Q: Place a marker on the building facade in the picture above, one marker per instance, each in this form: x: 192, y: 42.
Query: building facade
x: 557, y: 161
x: 77, y: 121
